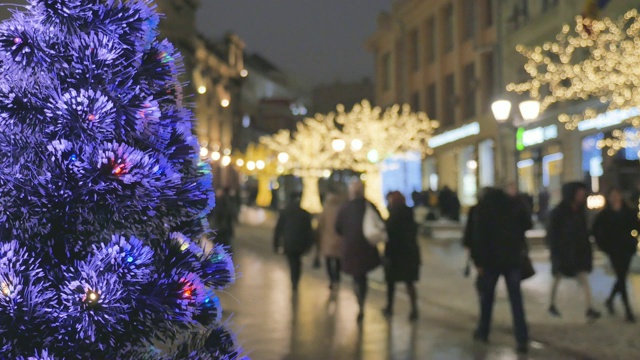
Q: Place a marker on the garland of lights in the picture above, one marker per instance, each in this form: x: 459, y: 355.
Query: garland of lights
x: 596, y: 59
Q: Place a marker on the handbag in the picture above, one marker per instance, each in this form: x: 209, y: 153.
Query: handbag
x: 526, y: 267
x: 373, y: 226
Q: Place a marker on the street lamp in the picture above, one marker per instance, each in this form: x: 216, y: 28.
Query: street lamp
x: 530, y: 109
x: 501, y: 109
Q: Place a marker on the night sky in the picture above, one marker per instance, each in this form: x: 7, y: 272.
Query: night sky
x: 318, y: 41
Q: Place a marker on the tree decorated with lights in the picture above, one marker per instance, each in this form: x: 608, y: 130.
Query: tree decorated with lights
x: 595, y: 59
x: 306, y: 154
x: 102, y: 195
x: 371, y: 135
x: 357, y: 140
x: 256, y: 161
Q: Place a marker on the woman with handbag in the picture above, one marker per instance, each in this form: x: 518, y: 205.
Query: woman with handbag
x: 401, y: 253
x: 616, y: 230
x: 497, y: 250
x: 359, y: 256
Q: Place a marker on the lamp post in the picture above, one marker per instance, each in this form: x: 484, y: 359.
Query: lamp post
x: 501, y: 109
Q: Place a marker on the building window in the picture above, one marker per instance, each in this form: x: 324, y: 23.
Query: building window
x: 449, y: 100
x: 432, y: 102
x: 548, y: 5
x: 488, y: 13
x: 469, y: 10
x: 414, y: 52
x: 387, y: 71
x: 488, y: 73
x: 448, y: 28
x: 524, y: 6
x: 469, y: 91
x: 415, y: 101
x: 431, y: 41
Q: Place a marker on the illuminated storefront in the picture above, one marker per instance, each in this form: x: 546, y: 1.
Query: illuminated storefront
x: 463, y: 161
x: 540, y: 161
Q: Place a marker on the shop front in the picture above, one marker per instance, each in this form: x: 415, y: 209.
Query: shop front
x: 605, y: 167
x: 540, y: 163
x: 462, y: 161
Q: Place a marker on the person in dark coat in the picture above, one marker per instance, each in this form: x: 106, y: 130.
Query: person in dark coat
x: 569, y: 245
x: 468, y: 237
x: 616, y: 230
x: 497, y: 249
x: 358, y: 255
x: 402, y: 254
x: 294, y: 234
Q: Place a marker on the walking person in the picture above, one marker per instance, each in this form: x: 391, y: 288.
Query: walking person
x: 401, y: 253
x: 294, y: 235
x: 330, y: 242
x: 497, y: 249
x: 468, y: 239
x: 358, y: 255
x: 616, y: 230
x: 569, y: 245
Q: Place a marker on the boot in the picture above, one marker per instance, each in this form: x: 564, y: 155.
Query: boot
x: 630, y: 318
x: 609, y: 305
x: 387, y: 312
x: 553, y: 310
x: 413, y: 316
x: 592, y: 315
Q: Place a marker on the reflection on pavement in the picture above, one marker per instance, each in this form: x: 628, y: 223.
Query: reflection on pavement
x: 275, y: 324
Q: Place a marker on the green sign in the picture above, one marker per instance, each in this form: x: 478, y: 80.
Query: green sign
x: 519, y: 141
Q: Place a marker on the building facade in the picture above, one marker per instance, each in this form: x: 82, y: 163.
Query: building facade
x: 546, y: 154
x: 326, y: 97
x: 270, y: 101
x: 439, y: 57
x: 213, y: 79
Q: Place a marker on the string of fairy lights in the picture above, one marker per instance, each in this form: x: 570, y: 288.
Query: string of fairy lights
x: 595, y: 59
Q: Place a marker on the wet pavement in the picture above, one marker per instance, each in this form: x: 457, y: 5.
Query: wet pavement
x: 274, y: 324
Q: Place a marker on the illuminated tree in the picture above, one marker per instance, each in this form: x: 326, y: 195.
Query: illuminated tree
x: 257, y: 161
x: 596, y: 59
x: 372, y: 135
x: 357, y: 140
x: 308, y: 154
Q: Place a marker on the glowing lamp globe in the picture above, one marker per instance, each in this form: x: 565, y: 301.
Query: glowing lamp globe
x: 501, y: 110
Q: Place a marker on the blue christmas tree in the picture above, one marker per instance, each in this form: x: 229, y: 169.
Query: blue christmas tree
x: 102, y: 194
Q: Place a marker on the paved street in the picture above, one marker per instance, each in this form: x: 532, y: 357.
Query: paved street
x: 274, y: 325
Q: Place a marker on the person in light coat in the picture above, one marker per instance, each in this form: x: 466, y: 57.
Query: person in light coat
x: 329, y: 241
